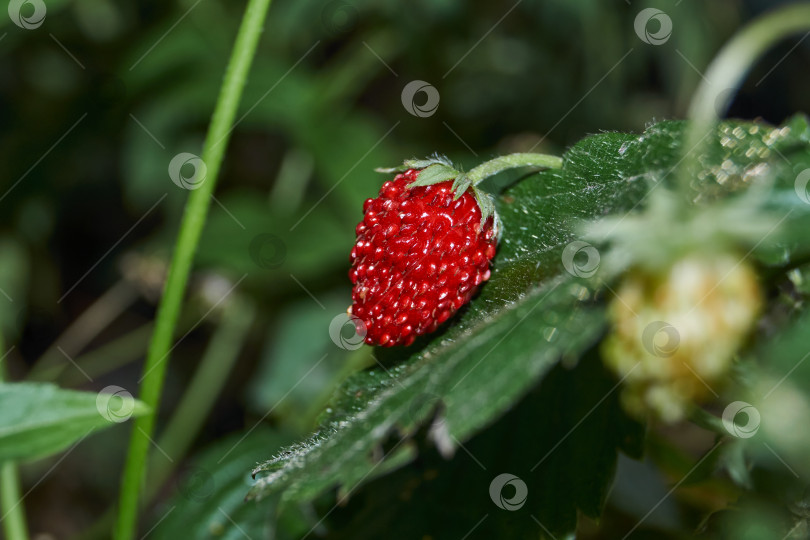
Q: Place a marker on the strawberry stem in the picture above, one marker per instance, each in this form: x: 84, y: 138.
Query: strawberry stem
x: 512, y: 161
x: 727, y: 72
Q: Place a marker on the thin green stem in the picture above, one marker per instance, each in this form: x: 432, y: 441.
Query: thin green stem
x: 201, y: 394
x: 105, y: 358
x: 190, y: 229
x: 291, y: 181
x: 11, y: 495
x: 99, y: 361
x: 108, y: 357
x: 729, y: 68
x: 85, y: 328
x: 512, y: 161
x: 12, y: 511
x: 185, y: 423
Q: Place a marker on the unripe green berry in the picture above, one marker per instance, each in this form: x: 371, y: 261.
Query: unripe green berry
x: 676, y: 332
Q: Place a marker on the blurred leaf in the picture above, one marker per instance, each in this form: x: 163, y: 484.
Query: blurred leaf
x: 780, y: 392
x: 299, y: 365
x: 734, y: 460
x: 208, y: 501
x: 41, y: 419
x: 768, y: 512
x: 13, y: 284
x: 345, y: 143
x: 199, y: 48
x: 245, y: 237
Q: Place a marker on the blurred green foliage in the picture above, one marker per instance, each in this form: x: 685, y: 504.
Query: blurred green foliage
x: 97, y: 101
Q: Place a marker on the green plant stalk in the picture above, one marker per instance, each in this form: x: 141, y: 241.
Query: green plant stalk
x: 729, y: 68
x: 12, y: 508
x: 190, y: 229
x: 512, y: 161
x: 198, y: 399
x: 195, y: 405
x: 11, y: 505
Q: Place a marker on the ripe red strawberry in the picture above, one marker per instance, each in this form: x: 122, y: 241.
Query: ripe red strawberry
x: 420, y: 255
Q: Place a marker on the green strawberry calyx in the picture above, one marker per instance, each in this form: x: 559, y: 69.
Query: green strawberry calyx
x: 437, y: 169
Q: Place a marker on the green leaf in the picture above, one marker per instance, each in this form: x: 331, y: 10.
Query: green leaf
x: 416, y: 163
x: 563, y: 448
x: 434, y: 174
x: 208, y: 494
x: 529, y: 315
x: 376, y: 402
x: 41, y: 419
x: 460, y: 185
